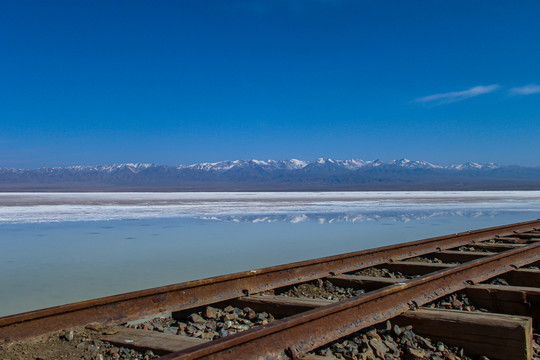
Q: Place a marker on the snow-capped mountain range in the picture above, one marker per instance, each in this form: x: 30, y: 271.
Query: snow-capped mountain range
x: 292, y: 174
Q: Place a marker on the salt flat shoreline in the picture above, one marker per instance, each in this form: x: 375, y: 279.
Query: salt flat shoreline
x: 129, y: 198
x: 254, y: 206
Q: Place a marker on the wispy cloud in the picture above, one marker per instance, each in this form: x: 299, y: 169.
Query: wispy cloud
x: 525, y: 90
x: 453, y: 96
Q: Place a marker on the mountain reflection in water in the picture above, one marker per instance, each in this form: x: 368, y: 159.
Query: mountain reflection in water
x: 352, y: 217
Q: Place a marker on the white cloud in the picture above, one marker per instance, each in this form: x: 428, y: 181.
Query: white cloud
x: 453, y: 96
x: 525, y: 90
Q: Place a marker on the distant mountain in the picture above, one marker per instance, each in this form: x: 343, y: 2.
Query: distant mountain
x: 271, y: 175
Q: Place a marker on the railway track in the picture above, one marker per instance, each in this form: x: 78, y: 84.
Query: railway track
x: 296, y: 310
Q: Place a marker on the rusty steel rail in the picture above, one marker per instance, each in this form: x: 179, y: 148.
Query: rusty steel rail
x: 298, y: 334
x: 151, y: 302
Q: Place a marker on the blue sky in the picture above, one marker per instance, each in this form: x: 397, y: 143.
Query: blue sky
x: 175, y: 82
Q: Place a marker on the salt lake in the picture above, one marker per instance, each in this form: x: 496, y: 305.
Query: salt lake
x: 57, y: 248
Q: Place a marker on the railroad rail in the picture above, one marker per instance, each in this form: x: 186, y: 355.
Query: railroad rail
x: 391, y: 282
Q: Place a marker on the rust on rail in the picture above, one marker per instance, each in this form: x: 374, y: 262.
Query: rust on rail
x: 135, y: 305
x: 306, y: 331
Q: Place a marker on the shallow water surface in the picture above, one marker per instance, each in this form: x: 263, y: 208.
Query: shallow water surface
x: 48, y: 259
